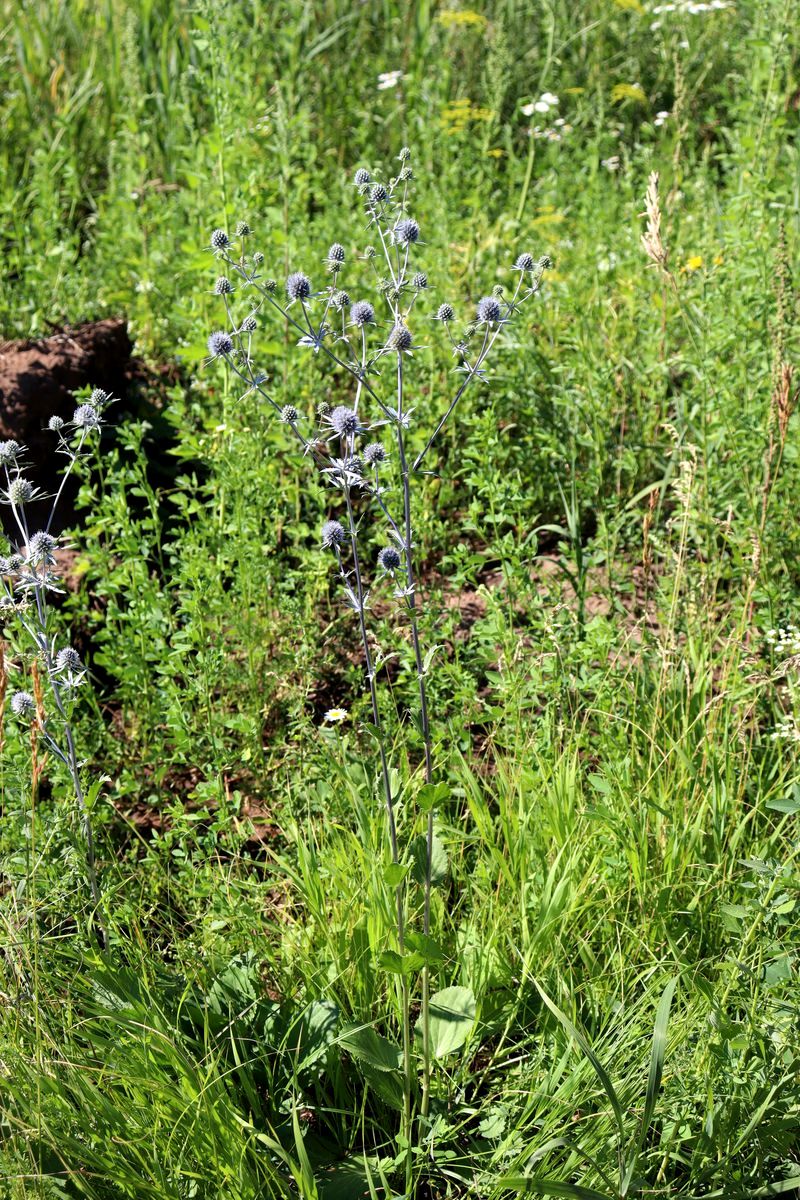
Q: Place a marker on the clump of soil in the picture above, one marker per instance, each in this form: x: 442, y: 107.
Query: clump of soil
x: 37, y: 378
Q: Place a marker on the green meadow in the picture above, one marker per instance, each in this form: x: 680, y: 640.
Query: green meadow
x: 595, y: 992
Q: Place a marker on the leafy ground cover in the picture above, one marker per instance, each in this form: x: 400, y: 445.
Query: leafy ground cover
x: 608, y: 552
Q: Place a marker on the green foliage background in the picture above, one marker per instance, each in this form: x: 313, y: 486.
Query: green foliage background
x: 618, y: 813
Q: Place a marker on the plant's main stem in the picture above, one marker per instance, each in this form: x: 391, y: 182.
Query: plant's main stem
x: 411, y: 600
x: 392, y: 822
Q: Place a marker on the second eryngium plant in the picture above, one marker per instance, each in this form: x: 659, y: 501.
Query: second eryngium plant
x: 360, y: 449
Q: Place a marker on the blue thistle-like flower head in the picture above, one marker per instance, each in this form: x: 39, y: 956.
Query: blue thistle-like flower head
x: 525, y: 262
x: 344, y: 421
x: 420, y: 281
x: 389, y: 559
x: 9, y: 452
x: 298, y: 286
x: 223, y: 286
x: 333, y: 533
x: 406, y: 232
x: 289, y: 414
x: 22, y: 704
x: 20, y: 491
x: 362, y: 313
x: 374, y: 453
x: 378, y: 193
x: 400, y: 339
x: 445, y: 312
x: 489, y: 310
x: 220, y: 240
x: 336, y: 254
x: 69, y: 660
x: 362, y: 177
x: 220, y: 344
x: 86, y: 417
x: 41, y: 547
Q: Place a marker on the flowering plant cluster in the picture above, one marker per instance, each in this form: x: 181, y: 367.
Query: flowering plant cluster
x: 360, y: 447
x: 29, y: 577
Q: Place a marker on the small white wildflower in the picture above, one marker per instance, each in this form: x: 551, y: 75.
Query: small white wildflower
x: 389, y: 79
x: 335, y: 716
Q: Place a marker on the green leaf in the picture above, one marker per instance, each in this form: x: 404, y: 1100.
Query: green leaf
x: 399, y: 964
x: 427, y: 947
x: 785, y: 804
x: 657, y: 1052
x: 440, y: 864
x: 600, y: 1072
x: 551, y: 1187
x: 431, y: 796
x: 369, y: 1047
x: 452, y: 1016
x: 394, y: 873
x: 317, y: 1032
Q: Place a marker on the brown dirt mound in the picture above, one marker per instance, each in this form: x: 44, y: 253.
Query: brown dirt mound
x: 37, y: 378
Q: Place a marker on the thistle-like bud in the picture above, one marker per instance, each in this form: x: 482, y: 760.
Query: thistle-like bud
x: 404, y: 154
x: 333, y: 533
x: 471, y: 329
x: 40, y: 549
x: 22, y: 704
x: 323, y: 409
x: 406, y: 232
x: 220, y: 240
x: 400, y: 339
x: 243, y: 229
x: 524, y: 263
x: 362, y: 313
x: 489, y: 310
x: 340, y: 300
x: 378, y: 193
x: 20, y: 491
x: 545, y: 263
x: 369, y: 252
x: 69, y: 660
x: 344, y: 421
x: 336, y: 254
x: 420, y: 281
x: 223, y: 286
x: 258, y: 259
x: 445, y: 312
x: 373, y: 454
x: 56, y: 424
x: 99, y: 397
x: 249, y: 324
x: 220, y: 344
x: 362, y: 177
x: 497, y: 291
x: 86, y: 417
x: 270, y: 285
x: 298, y: 286
x: 405, y: 174
x: 389, y: 559
x: 289, y: 414
x: 9, y: 452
